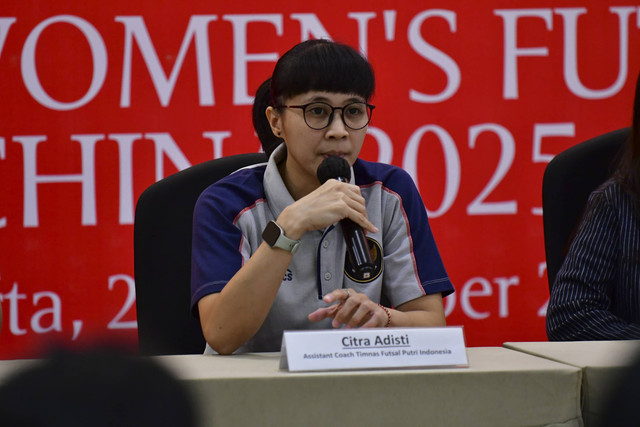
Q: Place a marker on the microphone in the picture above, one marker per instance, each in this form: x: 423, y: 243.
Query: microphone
x: 334, y: 167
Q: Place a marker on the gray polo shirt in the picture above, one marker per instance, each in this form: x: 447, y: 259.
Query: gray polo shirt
x: 231, y: 214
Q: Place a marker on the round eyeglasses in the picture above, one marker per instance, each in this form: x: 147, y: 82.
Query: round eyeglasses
x: 319, y: 115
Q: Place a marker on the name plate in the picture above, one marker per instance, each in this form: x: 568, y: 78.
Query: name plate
x: 373, y: 348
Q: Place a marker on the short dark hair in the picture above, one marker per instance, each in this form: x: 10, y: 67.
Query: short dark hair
x: 321, y: 65
x: 261, y: 125
x: 318, y: 65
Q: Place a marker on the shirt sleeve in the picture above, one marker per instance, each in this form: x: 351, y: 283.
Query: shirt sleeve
x: 411, y: 254
x: 216, y: 245
x: 582, y: 297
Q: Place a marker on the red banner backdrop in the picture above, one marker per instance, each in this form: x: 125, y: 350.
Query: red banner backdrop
x: 100, y: 100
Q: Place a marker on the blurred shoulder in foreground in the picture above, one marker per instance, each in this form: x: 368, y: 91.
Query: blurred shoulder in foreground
x: 95, y: 388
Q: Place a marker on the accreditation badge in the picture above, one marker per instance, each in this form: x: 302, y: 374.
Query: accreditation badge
x: 376, y: 256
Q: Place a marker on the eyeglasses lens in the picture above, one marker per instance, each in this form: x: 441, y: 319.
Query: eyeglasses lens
x: 319, y: 115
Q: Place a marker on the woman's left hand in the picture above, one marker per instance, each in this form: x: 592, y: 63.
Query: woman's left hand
x: 351, y: 309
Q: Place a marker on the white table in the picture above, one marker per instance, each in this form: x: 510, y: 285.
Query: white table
x: 500, y: 387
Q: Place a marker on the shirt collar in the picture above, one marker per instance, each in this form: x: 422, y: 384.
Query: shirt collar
x: 276, y: 191
x: 277, y: 194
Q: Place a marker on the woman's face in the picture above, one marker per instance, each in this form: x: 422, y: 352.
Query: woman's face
x: 307, y: 147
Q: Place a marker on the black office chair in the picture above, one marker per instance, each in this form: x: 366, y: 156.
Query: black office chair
x: 568, y: 180
x: 162, y: 256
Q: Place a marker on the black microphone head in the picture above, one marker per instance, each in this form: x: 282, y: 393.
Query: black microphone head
x: 333, y: 167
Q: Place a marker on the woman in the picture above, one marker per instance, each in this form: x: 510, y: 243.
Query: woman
x: 596, y: 295
x: 247, y: 291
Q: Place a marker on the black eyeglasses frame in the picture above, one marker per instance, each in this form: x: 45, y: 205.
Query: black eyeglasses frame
x: 304, y: 107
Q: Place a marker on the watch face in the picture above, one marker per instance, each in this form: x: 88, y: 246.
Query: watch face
x: 271, y: 233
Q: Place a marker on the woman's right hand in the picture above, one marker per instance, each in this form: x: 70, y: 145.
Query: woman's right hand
x: 328, y: 204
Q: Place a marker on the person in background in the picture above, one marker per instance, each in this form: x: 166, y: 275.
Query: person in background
x: 596, y: 295
x: 95, y: 387
x: 247, y: 285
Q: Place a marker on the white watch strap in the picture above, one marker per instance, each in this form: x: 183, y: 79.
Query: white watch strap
x: 287, y: 244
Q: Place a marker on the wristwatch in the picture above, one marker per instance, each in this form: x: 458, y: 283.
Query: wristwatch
x: 274, y: 236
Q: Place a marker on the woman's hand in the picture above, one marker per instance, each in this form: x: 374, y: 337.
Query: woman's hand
x: 328, y: 204
x: 351, y: 309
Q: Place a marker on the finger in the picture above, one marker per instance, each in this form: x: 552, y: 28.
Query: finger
x: 373, y: 322
x: 368, y: 225
x: 354, y: 194
x: 378, y: 319
x: 357, y: 212
x: 362, y: 221
x: 322, y: 313
x: 332, y: 202
x: 362, y: 314
x: 344, y: 313
x: 355, y: 201
x: 339, y: 295
x: 347, y: 195
x: 359, y: 218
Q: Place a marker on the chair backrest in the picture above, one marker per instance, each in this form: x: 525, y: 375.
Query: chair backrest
x: 568, y: 180
x: 162, y: 256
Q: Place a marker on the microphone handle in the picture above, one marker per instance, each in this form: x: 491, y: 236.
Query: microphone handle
x: 357, y: 246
